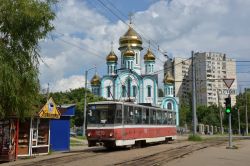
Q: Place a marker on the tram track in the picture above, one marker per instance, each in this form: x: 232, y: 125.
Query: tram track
x: 163, y: 157
x: 68, y: 158
x: 178, y: 149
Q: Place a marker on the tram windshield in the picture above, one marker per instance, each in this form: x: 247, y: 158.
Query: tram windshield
x: 101, y: 114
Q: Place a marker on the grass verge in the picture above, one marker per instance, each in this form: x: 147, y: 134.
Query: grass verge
x: 194, y: 137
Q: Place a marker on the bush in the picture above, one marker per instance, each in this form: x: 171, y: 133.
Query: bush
x: 194, y: 138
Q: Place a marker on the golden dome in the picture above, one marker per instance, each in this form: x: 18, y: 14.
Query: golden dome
x: 111, y: 57
x: 129, y: 53
x: 131, y: 37
x: 149, y: 56
x: 96, y: 80
x: 168, y: 79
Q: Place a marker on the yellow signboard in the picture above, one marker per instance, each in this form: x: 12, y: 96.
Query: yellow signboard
x: 50, y: 110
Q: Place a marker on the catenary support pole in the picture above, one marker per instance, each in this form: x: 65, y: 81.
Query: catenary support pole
x: 85, y: 104
x: 238, y: 110
x: 219, y: 105
x: 194, y: 95
x: 246, y: 113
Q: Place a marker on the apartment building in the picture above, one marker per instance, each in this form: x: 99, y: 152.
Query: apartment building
x: 210, y: 70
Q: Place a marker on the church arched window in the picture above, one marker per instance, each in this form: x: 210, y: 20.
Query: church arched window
x: 123, y: 91
x: 149, y: 91
x: 129, y: 86
x: 136, y: 58
x: 134, y: 91
x: 108, y: 91
x: 169, y: 106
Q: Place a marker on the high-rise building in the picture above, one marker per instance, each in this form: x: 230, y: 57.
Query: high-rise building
x: 210, y: 70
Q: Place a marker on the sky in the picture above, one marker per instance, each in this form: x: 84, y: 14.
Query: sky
x: 84, y: 30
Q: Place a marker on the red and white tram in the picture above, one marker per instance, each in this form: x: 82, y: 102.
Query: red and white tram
x: 124, y: 124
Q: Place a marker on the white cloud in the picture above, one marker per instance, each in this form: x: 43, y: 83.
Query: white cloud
x: 66, y: 84
x: 83, y: 35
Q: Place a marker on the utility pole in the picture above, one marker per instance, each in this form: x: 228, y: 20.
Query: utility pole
x: 246, y: 113
x: 48, y: 92
x: 221, y: 125
x: 194, y: 95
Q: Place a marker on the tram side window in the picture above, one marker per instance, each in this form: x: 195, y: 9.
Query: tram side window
x: 129, y: 115
x: 170, y: 118
x: 145, y: 116
x: 152, y: 116
x: 118, y: 115
x: 138, y: 115
x: 174, y: 118
x: 164, y: 117
x: 159, y: 117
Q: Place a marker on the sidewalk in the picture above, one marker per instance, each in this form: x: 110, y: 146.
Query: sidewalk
x: 217, y: 156
x: 73, y: 150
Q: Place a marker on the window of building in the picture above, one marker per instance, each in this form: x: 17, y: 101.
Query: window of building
x: 108, y: 91
x: 123, y: 91
x: 149, y: 91
x: 129, y: 87
x: 169, y: 106
x: 134, y: 91
x: 136, y: 58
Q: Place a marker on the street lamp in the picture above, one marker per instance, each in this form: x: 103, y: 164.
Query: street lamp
x: 85, y: 101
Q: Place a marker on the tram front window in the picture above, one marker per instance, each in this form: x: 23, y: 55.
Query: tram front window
x: 101, y: 114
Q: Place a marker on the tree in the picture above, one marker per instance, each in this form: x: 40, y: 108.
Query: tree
x: 74, y: 96
x: 22, y: 24
x: 185, y: 115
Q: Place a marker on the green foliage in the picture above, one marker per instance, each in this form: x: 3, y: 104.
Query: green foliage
x: 208, y: 115
x: 185, y: 115
x: 195, y: 137
x: 241, y: 105
x: 22, y: 24
x: 75, y: 96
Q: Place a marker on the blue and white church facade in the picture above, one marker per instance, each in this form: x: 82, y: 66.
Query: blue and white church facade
x: 128, y: 83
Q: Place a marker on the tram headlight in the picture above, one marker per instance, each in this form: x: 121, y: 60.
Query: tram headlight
x: 111, y: 134
x: 89, y: 134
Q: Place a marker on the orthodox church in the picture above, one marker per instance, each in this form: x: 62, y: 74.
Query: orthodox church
x: 128, y: 83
